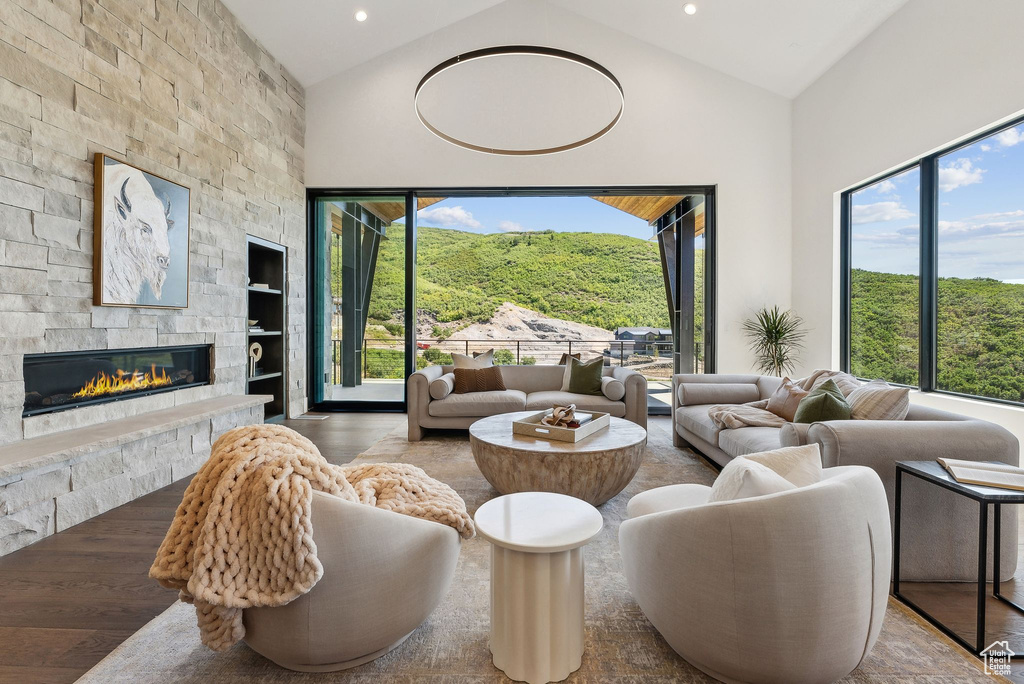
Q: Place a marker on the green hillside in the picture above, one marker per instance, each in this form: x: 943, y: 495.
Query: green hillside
x: 599, y: 279
x: 981, y: 333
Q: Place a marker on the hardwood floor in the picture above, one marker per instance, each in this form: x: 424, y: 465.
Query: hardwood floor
x: 70, y: 599
x: 955, y: 604
x: 343, y: 436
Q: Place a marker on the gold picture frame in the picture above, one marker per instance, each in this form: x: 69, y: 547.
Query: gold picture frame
x: 141, y: 250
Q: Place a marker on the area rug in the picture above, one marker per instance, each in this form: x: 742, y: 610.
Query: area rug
x: 621, y: 645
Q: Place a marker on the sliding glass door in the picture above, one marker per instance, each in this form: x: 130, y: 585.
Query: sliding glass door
x: 358, y: 296
x: 534, y: 275
x: 684, y: 242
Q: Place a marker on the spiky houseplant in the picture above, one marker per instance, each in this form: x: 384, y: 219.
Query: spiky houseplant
x: 776, y: 337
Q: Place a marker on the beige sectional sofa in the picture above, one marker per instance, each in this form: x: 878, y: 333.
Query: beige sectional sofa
x: 528, y: 388
x: 939, y: 528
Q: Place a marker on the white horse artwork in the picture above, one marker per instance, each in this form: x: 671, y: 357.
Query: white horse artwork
x: 137, y: 251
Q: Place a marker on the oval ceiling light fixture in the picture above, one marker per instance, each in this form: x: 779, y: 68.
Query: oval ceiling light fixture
x: 690, y: 8
x: 361, y: 15
x: 516, y: 87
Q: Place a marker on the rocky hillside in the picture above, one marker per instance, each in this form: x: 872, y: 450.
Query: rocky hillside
x: 542, y: 337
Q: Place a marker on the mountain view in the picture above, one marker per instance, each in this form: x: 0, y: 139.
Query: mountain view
x: 980, y: 341
x: 599, y: 279
x: 978, y: 227
x: 502, y: 284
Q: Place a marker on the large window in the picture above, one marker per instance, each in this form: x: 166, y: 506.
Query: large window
x: 981, y: 268
x: 934, y: 257
x: 884, y: 279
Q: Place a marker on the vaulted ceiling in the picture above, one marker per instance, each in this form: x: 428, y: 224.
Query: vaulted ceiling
x: 316, y: 39
x: 782, y: 45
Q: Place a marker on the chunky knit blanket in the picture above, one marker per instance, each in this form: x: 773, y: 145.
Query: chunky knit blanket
x: 242, y: 536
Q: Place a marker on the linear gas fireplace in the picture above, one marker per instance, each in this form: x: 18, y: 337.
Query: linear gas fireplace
x: 57, y: 382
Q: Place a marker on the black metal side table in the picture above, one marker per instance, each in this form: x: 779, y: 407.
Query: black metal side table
x: 932, y: 471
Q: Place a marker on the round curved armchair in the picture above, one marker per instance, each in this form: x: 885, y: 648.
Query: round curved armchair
x: 789, y: 588
x: 384, y: 573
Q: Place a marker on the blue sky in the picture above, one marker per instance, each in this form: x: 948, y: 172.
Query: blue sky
x: 516, y: 214
x: 981, y: 214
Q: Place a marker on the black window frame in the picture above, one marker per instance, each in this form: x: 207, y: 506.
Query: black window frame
x: 314, y: 366
x: 928, y: 226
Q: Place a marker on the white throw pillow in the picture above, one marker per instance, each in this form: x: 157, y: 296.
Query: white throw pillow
x: 742, y: 478
x: 800, y: 465
x: 878, y: 400
x: 485, y: 360
x: 612, y: 388
x: 441, y: 387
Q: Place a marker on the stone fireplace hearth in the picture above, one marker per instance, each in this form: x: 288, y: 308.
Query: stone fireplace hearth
x: 53, y: 482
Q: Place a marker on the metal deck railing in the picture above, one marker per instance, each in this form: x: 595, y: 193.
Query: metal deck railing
x: 385, y: 359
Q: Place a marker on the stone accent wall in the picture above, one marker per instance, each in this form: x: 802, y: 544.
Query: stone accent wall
x: 176, y: 87
x: 49, y: 499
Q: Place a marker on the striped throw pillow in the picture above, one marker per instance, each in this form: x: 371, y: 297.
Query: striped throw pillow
x: 878, y: 400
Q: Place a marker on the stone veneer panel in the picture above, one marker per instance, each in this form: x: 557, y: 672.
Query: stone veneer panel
x: 175, y: 87
x: 57, y: 490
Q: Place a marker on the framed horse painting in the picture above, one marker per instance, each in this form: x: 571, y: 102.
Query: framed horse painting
x: 141, y: 237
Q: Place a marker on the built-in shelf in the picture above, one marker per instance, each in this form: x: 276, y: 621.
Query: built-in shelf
x: 264, y: 376
x: 266, y: 264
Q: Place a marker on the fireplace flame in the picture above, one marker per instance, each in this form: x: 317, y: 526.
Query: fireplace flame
x: 123, y: 381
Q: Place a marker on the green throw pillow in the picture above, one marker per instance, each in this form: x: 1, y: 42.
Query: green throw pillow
x: 585, y: 376
x: 825, y: 403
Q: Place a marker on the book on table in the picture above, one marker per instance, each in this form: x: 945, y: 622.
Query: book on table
x: 986, y: 474
x: 581, y: 418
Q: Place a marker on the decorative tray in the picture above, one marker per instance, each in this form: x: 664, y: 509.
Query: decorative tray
x: 532, y: 427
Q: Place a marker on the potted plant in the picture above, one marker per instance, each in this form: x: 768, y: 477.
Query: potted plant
x: 776, y: 337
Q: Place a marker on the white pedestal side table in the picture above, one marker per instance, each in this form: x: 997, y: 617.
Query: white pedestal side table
x: 537, y: 541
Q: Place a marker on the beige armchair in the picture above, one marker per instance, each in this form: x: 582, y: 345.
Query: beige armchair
x: 789, y: 588
x: 384, y: 573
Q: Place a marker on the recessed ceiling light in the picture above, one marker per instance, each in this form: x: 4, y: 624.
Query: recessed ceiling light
x: 690, y: 8
x: 361, y: 15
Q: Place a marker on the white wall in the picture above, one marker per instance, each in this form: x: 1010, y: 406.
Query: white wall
x: 683, y: 124
x: 935, y: 72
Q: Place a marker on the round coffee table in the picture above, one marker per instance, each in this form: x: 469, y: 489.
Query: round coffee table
x: 537, y: 541
x: 594, y: 469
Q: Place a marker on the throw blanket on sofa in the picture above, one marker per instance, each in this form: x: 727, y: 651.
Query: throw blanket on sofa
x: 734, y: 416
x: 242, y: 535
x: 754, y: 414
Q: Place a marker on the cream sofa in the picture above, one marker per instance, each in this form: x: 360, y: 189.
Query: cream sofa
x: 789, y: 588
x: 384, y: 573
x: 528, y: 388
x: 939, y: 528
